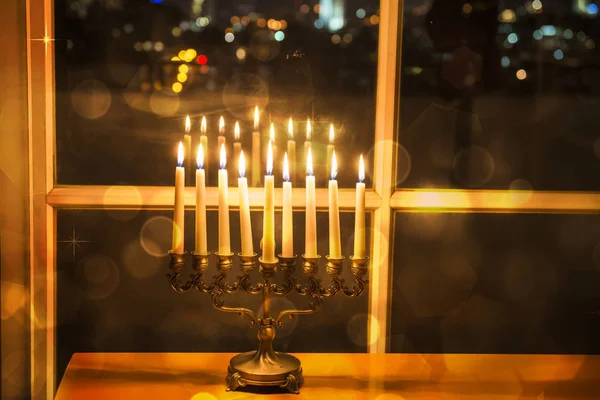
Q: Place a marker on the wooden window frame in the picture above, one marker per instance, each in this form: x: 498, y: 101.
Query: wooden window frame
x: 383, y: 200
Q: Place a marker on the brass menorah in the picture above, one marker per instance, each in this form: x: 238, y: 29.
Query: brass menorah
x: 266, y: 367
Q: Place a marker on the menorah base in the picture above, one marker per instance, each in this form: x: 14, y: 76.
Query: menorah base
x: 256, y: 368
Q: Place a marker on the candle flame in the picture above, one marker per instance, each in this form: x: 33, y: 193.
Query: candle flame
x: 242, y: 164
x: 188, y: 124
x: 308, y: 129
x: 180, y: 155
x: 334, y: 166
x: 223, y: 154
x: 272, y: 132
x: 361, y: 169
x: 236, y: 131
x: 221, y: 125
x: 309, y: 163
x: 203, y: 126
x: 270, y: 159
x: 290, y: 129
x: 286, y: 168
x: 200, y: 157
x: 331, y: 134
x: 256, y: 118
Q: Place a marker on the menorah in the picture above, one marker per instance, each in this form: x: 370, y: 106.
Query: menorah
x: 266, y: 367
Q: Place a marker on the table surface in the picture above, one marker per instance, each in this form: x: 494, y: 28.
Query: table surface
x: 201, y: 376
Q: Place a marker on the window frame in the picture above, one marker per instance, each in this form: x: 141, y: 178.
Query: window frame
x: 383, y: 200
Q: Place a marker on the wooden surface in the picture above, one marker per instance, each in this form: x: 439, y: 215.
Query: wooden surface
x: 200, y: 376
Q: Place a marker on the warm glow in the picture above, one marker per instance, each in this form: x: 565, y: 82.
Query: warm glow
x: 236, y: 131
x: 180, y: 155
x: 221, y: 125
x: 270, y: 159
x: 272, y: 132
x: 286, y: 168
x: 334, y: 166
x: 290, y: 128
x: 203, y: 126
x: 331, y: 134
x: 223, y: 160
x: 200, y: 157
x: 188, y: 124
x: 308, y: 130
x: 256, y: 118
x: 242, y: 164
x: 309, y: 163
x: 361, y: 169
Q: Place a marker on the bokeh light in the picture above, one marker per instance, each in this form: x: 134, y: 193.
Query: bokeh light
x: 473, y: 166
x: 279, y: 36
x: 163, y: 104
x: 229, y: 37
x: 184, y: 69
x: 155, y: 236
x: 134, y: 198
x: 360, y: 13
x: 98, y: 276
x: 358, y: 329
x: 14, y: 297
x: 91, y: 99
x: 177, y: 87
x: 138, y: 262
x: 240, y: 53
x: 521, y: 74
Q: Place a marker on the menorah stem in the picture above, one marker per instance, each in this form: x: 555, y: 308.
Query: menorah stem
x: 267, y: 301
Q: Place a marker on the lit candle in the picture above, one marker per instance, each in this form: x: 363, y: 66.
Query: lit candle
x: 224, y: 243
x: 311, y: 210
x: 291, y: 151
x: 256, y: 149
x: 201, y: 247
x: 245, y: 225
x: 272, y: 141
x: 335, y: 246
x: 237, y: 145
x: 178, y: 214
x: 330, y: 147
x: 287, y: 225
x: 204, y: 138
x: 221, y: 139
x: 359, y: 222
x: 307, y: 143
x: 187, y: 143
x: 268, y: 250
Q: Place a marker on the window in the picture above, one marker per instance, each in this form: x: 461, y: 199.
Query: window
x: 448, y: 146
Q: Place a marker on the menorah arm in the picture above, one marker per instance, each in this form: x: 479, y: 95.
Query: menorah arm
x: 357, y: 288
x: 314, y: 306
x: 201, y: 285
x: 287, y: 286
x: 218, y: 303
x: 178, y: 286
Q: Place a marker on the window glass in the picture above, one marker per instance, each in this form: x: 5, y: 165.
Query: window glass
x: 500, y: 94
x: 496, y: 283
x: 129, y: 71
x: 113, y: 296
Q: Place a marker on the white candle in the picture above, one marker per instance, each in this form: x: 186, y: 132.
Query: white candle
x: 291, y: 151
x: 287, y: 225
x: 330, y: 147
x: 307, y: 143
x: 221, y: 139
x: 201, y: 247
x: 256, y: 150
x: 359, y: 222
x: 310, y: 241
x: 268, y: 250
x: 237, y: 145
x: 245, y: 224
x: 224, y: 238
x: 204, y: 138
x: 178, y: 214
x: 335, y: 246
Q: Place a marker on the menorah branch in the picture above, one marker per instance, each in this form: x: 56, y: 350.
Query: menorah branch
x: 314, y: 306
x: 218, y: 303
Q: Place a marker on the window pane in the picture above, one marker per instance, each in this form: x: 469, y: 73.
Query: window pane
x: 496, y: 283
x: 129, y: 71
x: 500, y: 95
x: 112, y: 293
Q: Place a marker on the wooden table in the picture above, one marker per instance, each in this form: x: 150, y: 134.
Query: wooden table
x: 201, y: 376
